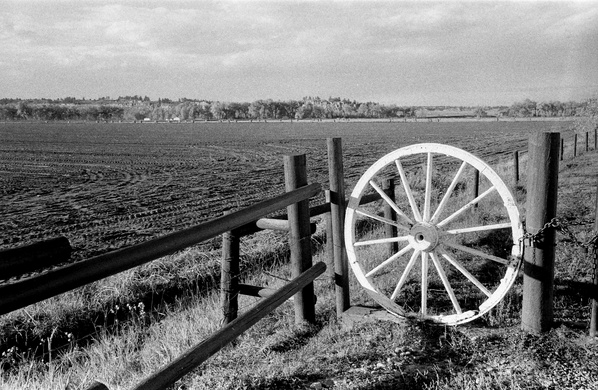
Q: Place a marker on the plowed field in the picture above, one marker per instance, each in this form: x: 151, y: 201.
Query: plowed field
x: 105, y: 186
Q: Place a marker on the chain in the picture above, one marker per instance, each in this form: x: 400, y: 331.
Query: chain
x: 563, y: 227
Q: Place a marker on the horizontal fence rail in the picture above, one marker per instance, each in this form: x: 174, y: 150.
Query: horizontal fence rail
x: 29, y: 258
x: 27, y: 291
x: 261, y: 224
x: 200, y: 353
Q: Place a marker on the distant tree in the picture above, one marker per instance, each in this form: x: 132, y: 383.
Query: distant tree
x: 23, y: 110
x: 363, y: 110
x: 480, y: 112
x: 304, y: 111
x: 217, y: 110
x: 375, y: 110
x: 318, y: 111
x: 8, y: 112
x: 348, y: 109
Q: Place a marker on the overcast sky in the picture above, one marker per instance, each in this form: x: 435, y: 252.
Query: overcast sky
x: 407, y: 53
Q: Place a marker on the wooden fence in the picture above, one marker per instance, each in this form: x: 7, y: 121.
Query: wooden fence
x: 236, y: 224
x: 232, y: 226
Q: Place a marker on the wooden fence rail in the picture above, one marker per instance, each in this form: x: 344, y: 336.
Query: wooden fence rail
x: 25, y: 292
x: 187, y: 362
x: 29, y: 258
x: 200, y: 353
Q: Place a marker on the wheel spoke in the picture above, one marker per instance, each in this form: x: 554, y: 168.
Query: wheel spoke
x: 478, y: 253
x: 448, y: 194
x: 388, y: 261
x: 392, y: 204
x: 382, y: 219
x: 407, y: 187
x: 424, y: 292
x: 381, y: 241
x: 428, y: 195
x: 506, y: 225
x: 405, y: 274
x: 466, y: 207
x: 464, y: 271
x: 445, y: 281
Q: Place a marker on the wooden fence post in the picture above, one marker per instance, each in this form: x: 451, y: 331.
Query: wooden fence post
x: 562, y: 148
x: 476, y: 188
x: 329, y: 241
x: 587, y: 141
x: 538, y: 266
x: 575, y: 145
x: 229, y: 277
x: 596, y: 138
x: 594, y: 316
x: 391, y: 231
x: 337, y: 212
x: 515, y: 168
x: 295, y: 173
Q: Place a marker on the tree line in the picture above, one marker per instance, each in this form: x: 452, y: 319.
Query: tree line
x: 137, y: 108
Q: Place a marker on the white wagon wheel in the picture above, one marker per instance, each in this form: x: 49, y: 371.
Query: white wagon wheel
x: 473, y: 244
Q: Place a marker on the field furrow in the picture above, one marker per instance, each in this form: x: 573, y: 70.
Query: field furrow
x: 112, y: 185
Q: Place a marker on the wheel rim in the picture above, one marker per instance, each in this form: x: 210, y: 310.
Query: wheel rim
x: 440, y: 227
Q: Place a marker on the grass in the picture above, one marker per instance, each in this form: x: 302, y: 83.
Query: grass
x: 136, y: 336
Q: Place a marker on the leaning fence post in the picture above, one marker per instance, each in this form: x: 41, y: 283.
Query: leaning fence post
x: 594, y: 316
x: 391, y: 231
x: 337, y: 211
x: 538, y: 266
x: 229, y: 275
x: 295, y: 174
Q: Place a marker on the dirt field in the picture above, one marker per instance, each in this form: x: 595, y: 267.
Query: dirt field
x: 105, y: 186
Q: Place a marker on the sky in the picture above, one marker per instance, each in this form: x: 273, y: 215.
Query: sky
x: 392, y: 52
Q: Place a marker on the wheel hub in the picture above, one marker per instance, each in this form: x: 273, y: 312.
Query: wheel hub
x: 423, y: 236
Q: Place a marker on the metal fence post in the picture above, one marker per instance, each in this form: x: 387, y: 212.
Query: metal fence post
x: 538, y: 269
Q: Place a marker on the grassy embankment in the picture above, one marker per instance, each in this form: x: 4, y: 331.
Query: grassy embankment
x: 492, y: 353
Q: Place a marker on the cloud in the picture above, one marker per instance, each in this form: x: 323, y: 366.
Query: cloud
x: 283, y: 48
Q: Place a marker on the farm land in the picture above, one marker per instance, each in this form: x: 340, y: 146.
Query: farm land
x: 106, y: 186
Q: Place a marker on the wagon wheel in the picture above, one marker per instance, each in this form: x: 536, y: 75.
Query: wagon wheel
x: 472, y: 243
